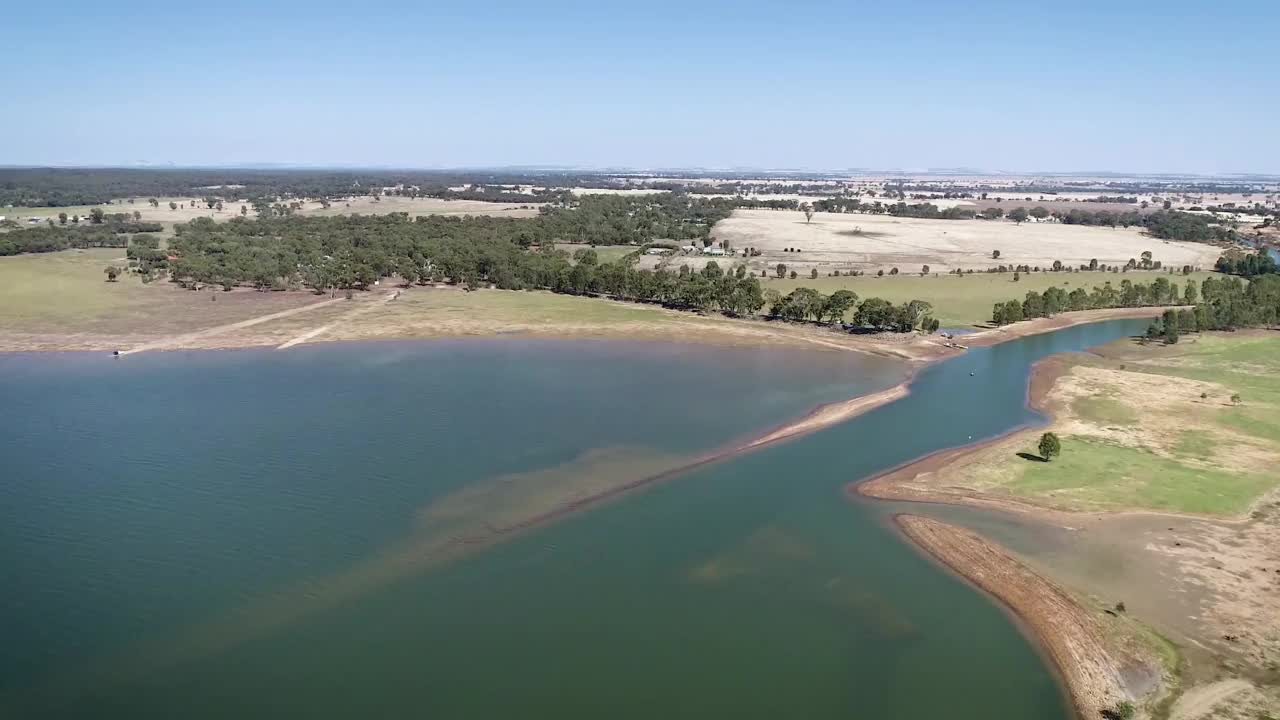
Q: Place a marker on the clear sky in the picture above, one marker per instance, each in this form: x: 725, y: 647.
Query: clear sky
x: 1144, y: 87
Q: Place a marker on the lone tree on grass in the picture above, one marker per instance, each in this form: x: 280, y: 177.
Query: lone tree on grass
x: 1049, y: 446
x: 808, y: 212
x: 995, y: 254
x: 781, y: 270
x: 112, y: 272
x: 1236, y: 399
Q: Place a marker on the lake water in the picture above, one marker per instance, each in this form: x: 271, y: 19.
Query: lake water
x: 269, y: 534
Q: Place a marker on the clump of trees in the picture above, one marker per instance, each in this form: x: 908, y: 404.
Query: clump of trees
x: 51, y: 238
x: 1164, y: 224
x: 629, y: 220
x: 876, y: 314
x: 1169, y: 325
x: 1247, y: 265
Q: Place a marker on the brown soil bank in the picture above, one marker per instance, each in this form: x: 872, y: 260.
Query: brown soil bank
x: 1069, y: 635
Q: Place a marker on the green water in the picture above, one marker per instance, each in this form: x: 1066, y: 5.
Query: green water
x: 250, y: 534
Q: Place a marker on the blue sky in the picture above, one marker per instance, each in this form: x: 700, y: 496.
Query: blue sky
x: 1168, y: 87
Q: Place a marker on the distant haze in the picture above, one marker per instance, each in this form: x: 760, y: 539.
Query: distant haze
x: 1175, y: 88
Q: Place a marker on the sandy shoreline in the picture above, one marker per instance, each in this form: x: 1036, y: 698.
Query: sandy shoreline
x: 1067, y: 633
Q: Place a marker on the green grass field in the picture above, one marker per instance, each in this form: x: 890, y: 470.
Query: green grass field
x: 964, y: 300
x: 1194, y: 454
x: 1096, y: 474
x: 604, y: 253
x: 55, y: 289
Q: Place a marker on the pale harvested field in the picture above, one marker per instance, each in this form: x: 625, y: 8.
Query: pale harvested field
x: 829, y: 243
x: 365, y: 205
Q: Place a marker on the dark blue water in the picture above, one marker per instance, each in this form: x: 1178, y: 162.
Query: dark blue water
x: 241, y: 534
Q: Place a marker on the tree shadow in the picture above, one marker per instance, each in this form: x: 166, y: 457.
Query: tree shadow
x: 1031, y: 457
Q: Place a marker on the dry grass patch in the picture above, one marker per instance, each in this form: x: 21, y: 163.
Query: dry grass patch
x: 366, y: 205
x: 62, y: 301
x: 1164, y: 415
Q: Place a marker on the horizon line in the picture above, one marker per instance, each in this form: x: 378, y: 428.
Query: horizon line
x: 536, y: 169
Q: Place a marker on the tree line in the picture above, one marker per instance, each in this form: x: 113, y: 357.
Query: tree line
x: 1054, y: 300
x: 1217, y: 303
